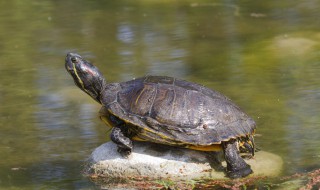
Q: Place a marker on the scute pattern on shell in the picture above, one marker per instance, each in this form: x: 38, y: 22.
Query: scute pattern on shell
x: 173, y: 111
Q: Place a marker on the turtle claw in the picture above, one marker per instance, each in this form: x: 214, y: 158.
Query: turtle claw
x: 240, y: 173
x: 124, y: 152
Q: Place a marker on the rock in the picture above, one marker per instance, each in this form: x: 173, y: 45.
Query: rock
x: 154, y: 162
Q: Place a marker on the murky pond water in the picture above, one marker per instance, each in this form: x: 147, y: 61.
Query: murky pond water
x: 264, y: 56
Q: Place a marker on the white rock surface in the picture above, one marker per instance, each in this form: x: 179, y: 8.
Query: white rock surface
x: 163, y: 162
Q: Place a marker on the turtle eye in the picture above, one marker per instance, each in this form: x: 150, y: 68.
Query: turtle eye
x: 74, y: 59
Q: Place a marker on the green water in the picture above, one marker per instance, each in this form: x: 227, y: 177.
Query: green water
x: 264, y: 56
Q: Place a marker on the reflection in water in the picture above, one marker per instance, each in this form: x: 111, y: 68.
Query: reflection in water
x: 125, y: 33
x: 301, y: 128
x: 126, y: 36
x: 65, y: 133
x: 159, y: 56
x: 268, y: 64
x: 165, y: 50
x: 234, y: 59
x: 56, y: 121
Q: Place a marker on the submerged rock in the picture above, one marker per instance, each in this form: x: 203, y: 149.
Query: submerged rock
x: 158, y: 162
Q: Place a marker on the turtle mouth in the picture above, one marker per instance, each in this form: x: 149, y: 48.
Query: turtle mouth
x: 69, y: 69
x: 69, y: 66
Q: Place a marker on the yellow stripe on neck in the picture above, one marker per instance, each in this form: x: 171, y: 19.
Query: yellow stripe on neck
x: 79, y: 79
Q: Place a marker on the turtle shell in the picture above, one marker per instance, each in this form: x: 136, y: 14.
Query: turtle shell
x: 176, y: 112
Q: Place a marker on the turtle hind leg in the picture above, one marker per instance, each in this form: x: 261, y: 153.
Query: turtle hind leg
x: 124, y: 143
x: 215, y: 160
x: 236, y: 166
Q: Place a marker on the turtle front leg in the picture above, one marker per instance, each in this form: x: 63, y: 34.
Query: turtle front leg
x: 236, y: 166
x: 124, y: 143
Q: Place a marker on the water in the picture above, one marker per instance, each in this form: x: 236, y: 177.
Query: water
x: 263, y: 56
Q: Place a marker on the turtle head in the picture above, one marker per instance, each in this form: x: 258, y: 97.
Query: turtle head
x: 85, y: 75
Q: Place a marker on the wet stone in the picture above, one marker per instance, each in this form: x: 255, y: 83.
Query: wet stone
x: 154, y: 162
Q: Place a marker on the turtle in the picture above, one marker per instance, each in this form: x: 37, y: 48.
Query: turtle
x: 169, y: 111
